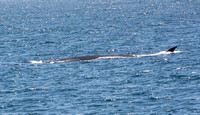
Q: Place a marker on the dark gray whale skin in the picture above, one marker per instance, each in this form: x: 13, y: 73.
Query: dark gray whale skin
x: 82, y: 58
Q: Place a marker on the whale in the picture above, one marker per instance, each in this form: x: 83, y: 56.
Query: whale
x: 94, y: 57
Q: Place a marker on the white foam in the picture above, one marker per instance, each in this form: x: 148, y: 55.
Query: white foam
x: 35, y: 61
x: 180, y: 51
x: 160, y: 53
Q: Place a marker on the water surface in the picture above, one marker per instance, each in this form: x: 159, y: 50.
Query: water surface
x: 56, y: 29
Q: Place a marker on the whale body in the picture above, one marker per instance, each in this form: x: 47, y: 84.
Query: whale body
x: 83, y: 58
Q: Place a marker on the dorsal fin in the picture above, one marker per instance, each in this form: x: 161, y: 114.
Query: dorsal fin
x: 172, y: 49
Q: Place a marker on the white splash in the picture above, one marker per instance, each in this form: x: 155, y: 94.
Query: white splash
x: 36, y: 61
x: 160, y: 53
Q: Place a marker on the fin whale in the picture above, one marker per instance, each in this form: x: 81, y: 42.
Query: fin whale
x: 82, y: 58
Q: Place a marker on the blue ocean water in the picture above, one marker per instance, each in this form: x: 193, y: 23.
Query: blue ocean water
x: 57, y: 29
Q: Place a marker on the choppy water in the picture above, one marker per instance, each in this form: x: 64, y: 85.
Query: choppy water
x: 56, y: 29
